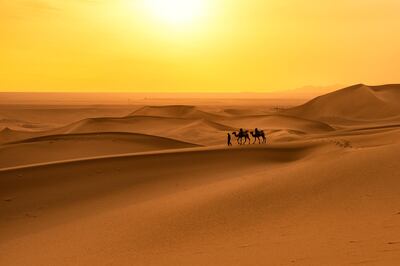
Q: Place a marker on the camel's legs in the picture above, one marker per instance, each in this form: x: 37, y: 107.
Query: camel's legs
x: 239, y: 140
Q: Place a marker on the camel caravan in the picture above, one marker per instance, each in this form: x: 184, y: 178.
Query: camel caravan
x: 243, y: 136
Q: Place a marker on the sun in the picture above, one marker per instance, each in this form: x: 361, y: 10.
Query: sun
x: 176, y: 12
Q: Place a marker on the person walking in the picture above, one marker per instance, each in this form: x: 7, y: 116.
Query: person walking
x: 229, y: 140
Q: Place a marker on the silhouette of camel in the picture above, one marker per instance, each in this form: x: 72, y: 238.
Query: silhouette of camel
x: 237, y: 136
x: 258, y: 136
x: 242, y: 135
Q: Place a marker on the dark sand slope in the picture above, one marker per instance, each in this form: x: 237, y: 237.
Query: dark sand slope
x: 78, y: 180
x: 73, y: 146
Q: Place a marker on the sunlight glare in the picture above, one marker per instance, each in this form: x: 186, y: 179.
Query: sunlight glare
x: 176, y: 12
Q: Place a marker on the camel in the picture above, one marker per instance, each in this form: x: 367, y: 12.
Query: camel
x: 257, y: 135
x: 242, y: 135
x: 238, y: 137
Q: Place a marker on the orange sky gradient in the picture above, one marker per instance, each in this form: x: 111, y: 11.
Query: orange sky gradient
x: 230, y: 46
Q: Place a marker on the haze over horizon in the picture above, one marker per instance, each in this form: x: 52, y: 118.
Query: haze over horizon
x: 191, y: 46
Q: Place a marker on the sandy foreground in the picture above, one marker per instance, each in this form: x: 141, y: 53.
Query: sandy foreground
x: 157, y: 185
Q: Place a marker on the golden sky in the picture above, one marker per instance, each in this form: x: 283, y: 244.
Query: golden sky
x: 196, y: 45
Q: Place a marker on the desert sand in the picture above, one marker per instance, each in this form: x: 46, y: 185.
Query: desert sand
x: 155, y: 184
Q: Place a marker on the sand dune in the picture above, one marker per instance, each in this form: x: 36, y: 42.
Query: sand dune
x: 180, y: 122
x: 138, y: 190
x: 91, y: 178
x: 238, y: 206
x: 143, y: 124
x: 186, y: 128
x: 195, y: 130
x: 159, y: 126
x: 73, y: 146
x: 356, y: 103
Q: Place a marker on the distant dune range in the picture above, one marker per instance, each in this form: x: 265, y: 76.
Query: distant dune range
x: 191, y: 124
x: 156, y: 185
x: 347, y: 107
